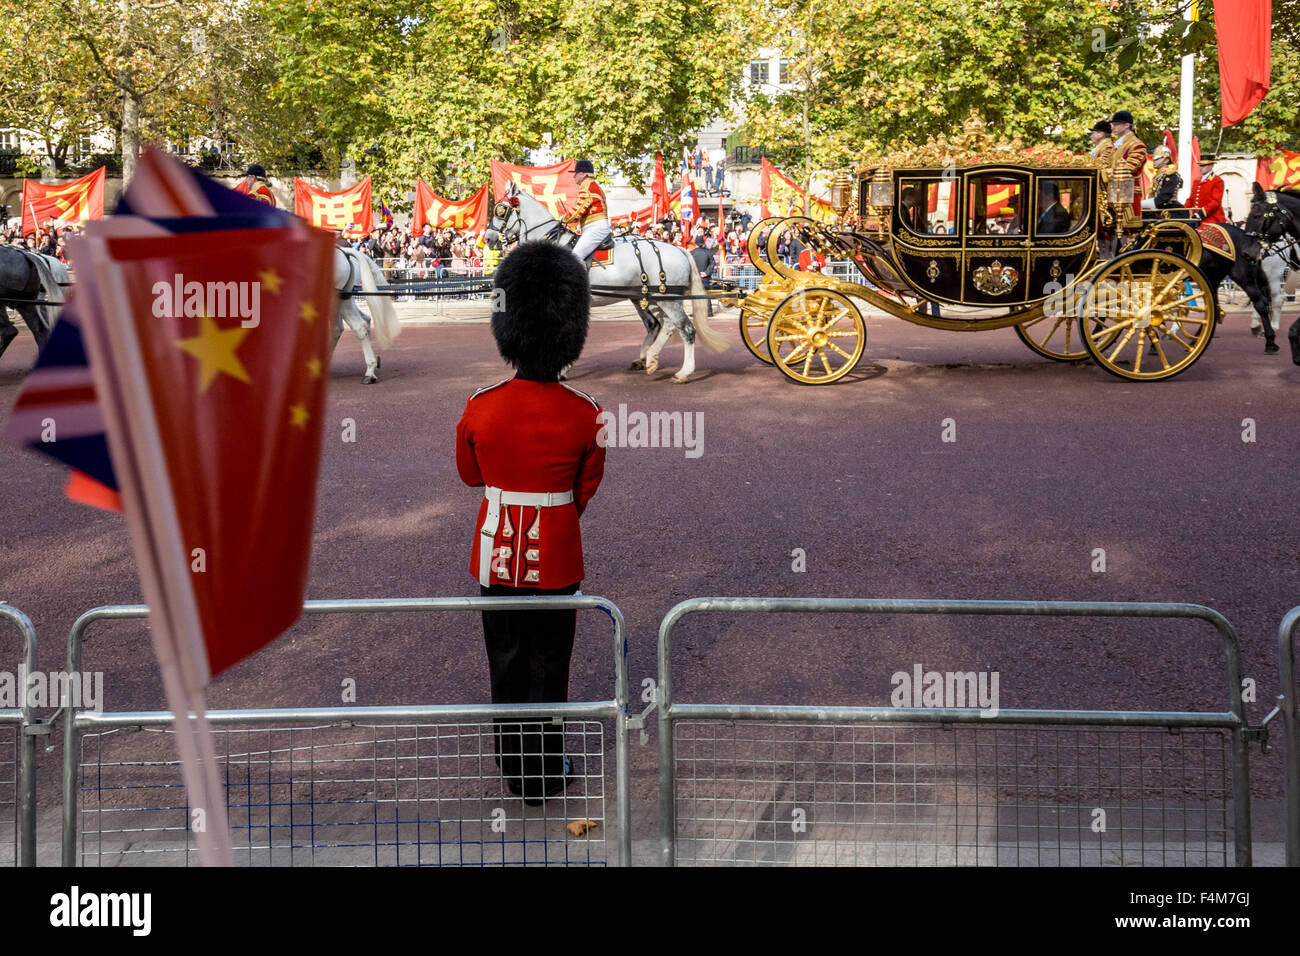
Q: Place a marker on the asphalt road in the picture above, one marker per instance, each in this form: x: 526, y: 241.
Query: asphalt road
x: 1050, y: 463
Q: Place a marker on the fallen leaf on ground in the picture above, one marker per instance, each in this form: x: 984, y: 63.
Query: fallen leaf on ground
x: 579, y: 827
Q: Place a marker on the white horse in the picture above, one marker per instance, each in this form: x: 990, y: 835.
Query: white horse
x: 640, y: 267
x: 350, y: 269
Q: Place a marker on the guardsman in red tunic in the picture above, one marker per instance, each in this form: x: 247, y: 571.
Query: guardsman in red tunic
x: 590, y: 212
x: 254, y: 184
x: 536, y: 447
x: 1207, y: 193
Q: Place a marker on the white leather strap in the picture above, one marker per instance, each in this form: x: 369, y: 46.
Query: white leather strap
x: 492, y: 520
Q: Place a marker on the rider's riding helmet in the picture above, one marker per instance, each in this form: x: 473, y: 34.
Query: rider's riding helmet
x: 540, y: 314
x: 256, y: 170
x: 1101, y: 127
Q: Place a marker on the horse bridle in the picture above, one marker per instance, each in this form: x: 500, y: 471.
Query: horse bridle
x: 1285, y: 237
x: 507, y: 210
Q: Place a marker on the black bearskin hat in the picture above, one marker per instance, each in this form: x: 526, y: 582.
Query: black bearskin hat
x: 584, y: 166
x: 256, y: 170
x: 541, y: 305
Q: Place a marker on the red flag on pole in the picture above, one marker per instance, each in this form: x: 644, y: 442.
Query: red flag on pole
x: 66, y: 203
x: 351, y: 210
x: 208, y: 350
x: 463, y: 215
x: 659, y: 204
x: 1244, y: 30
x: 1196, y: 161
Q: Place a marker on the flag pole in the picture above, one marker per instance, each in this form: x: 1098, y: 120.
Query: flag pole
x: 1185, y: 120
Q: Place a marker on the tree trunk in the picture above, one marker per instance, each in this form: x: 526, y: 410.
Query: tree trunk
x: 130, y: 129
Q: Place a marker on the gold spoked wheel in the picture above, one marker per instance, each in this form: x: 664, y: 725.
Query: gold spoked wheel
x: 1147, y: 315
x: 1058, y: 337
x: 816, y: 336
x: 753, y: 332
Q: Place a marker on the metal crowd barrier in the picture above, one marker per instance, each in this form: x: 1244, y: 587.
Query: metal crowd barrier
x: 1286, y: 634
x: 19, y: 769
x: 742, y: 783
x: 352, y: 784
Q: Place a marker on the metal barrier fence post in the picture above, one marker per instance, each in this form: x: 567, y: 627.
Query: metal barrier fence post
x: 1233, y: 719
x: 615, y: 709
x: 21, y: 718
x: 1286, y: 633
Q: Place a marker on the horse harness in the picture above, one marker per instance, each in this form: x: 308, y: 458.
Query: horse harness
x: 1285, y: 244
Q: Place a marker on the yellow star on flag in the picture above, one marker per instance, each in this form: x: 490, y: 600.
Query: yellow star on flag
x: 298, y: 416
x: 271, y: 280
x: 215, y: 348
x: 314, y: 366
x: 307, y: 312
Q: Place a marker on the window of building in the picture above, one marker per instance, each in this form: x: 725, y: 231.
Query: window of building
x: 784, y: 72
x: 758, y: 72
x: 8, y: 139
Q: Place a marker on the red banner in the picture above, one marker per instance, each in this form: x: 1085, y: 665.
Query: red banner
x: 1245, y: 54
x: 463, y: 215
x: 348, y: 210
x: 659, y: 199
x: 1278, y: 172
x: 65, y: 203
x: 553, y: 186
x: 780, y: 195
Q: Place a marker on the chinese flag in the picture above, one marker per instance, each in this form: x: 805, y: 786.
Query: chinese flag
x: 349, y: 210
x: 463, y: 215
x: 553, y: 186
x: 237, y: 398
x: 659, y: 202
x: 66, y: 203
x: 1245, y: 54
x: 1278, y: 172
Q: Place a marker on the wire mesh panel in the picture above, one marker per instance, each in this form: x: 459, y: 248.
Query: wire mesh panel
x: 394, y: 794
x: 765, y: 792
x: 10, y: 734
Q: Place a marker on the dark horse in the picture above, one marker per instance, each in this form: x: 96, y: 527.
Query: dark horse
x: 1274, y: 222
x: 1245, y: 270
x: 21, y: 280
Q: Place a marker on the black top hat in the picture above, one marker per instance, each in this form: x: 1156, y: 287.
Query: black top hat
x: 256, y: 170
x: 584, y: 166
x: 1123, y: 116
x: 1207, y: 158
x: 1101, y: 127
x: 540, y: 325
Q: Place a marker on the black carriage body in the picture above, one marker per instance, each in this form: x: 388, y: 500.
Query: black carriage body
x: 993, y: 235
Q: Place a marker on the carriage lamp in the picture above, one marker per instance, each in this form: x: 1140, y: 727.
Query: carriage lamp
x: 841, y: 192
x: 1120, y: 188
x: 882, y: 193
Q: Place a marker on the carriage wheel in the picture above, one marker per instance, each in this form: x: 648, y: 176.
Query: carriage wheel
x: 1058, y: 337
x: 753, y: 332
x: 816, y: 336
x: 1147, y: 315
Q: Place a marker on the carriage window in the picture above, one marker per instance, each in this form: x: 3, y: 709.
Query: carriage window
x: 928, y: 205
x: 1062, y: 205
x: 996, y: 204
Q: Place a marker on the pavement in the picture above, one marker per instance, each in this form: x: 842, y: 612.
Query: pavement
x: 848, y: 490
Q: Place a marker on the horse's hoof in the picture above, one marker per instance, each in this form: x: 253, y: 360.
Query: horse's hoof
x: 369, y: 379
x: 636, y: 366
x: 651, y: 367
x: 379, y: 360
x: 1256, y: 331
x: 1270, y: 348
x: 680, y: 379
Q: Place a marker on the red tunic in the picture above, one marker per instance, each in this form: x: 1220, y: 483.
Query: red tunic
x: 526, y: 436
x: 1207, y: 195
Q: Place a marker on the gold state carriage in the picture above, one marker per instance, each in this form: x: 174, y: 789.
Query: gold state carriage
x: 996, y: 235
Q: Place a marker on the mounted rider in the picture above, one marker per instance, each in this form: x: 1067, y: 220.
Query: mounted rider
x: 254, y: 184
x: 590, y: 212
x: 1166, y: 182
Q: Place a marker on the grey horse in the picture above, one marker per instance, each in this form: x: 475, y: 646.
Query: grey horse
x: 519, y: 217
x: 28, y: 277
x: 353, y: 268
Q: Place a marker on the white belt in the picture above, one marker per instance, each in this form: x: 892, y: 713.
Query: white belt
x: 492, y: 520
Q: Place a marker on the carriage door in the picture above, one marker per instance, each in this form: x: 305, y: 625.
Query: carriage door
x: 996, y: 254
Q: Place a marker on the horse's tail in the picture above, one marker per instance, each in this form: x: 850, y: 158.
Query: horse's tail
x: 700, y: 312
x: 384, y: 324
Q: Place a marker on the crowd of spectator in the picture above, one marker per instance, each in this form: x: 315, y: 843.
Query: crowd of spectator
x: 434, y: 254
x: 52, y: 240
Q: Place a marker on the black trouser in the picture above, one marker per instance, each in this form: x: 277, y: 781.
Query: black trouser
x: 528, y: 661
x: 707, y: 281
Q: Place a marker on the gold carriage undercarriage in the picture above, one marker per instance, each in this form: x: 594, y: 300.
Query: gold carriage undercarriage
x: 971, y: 236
